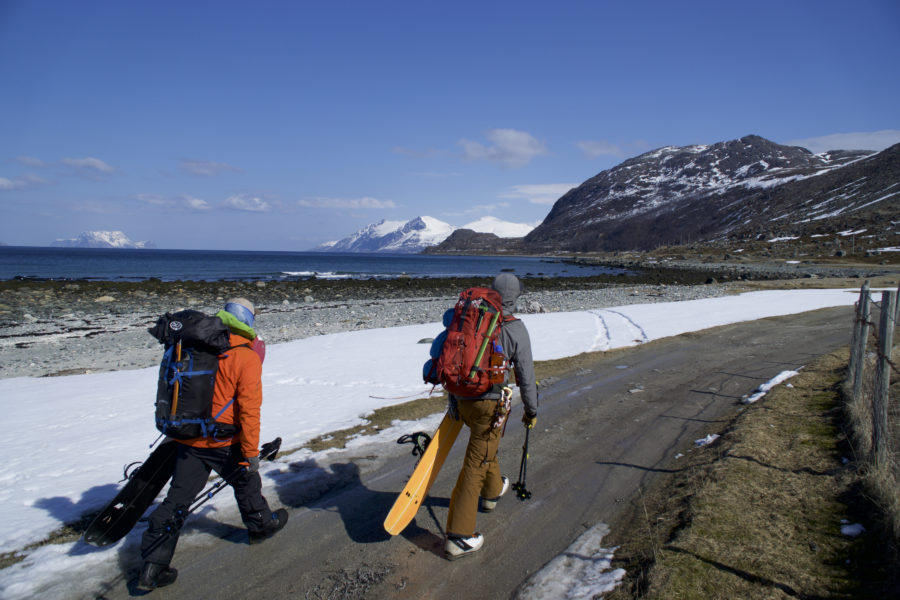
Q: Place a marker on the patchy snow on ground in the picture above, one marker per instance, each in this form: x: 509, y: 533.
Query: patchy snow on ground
x: 68, y: 437
x: 583, y: 570
x: 764, y: 388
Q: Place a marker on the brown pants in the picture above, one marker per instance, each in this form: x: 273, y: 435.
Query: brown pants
x: 480, y: 474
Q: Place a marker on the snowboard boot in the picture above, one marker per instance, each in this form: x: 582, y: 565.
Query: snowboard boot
x: 155, y: 575
x: 279, y: 518
x: 487, y: 505
x: 458, y: 546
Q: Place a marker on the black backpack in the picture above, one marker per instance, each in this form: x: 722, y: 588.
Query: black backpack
x: 187, y: 375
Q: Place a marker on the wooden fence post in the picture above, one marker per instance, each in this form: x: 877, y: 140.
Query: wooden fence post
x: 881, y: 394
x: 859, y: 349
x: 855, y: 335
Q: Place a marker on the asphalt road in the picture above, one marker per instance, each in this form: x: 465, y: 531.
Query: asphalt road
x: 605, y: 429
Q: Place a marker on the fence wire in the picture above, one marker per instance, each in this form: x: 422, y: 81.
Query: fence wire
x: 875, y: 418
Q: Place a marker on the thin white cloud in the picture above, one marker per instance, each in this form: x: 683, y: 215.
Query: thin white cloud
x: 30, y: 161
x: 508, y: 147
x: 89, y: 164
x: 545, y: 193
x: 155, y: 200
x: 595, y: 148
x: 99, y: 208
x: 480, y: 209
x: 206, y: 168
x: 346, y: 203
x: 246, y: 202
x: 196, y: 203
x: 18, y: 183
x: 184, y: 201
x: 871, y: 140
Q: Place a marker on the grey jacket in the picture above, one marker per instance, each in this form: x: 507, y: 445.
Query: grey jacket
x: 517, y: 347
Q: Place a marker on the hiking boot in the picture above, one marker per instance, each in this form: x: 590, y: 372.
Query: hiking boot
x: 279, y: 518
x: 458, y: 546
x: 487, y: 505
x: 155, y: 575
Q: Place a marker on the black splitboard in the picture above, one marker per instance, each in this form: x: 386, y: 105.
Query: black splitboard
x: 121, y: 514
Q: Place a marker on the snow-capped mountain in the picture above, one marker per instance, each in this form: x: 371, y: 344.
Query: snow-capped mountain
x: 393, y: 236
x: 415, y: 235
x: 704, y: 193
x: 101, y: 239
x: 503, y: 229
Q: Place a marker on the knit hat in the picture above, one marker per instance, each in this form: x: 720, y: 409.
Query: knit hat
x: 243, y: 309
x: 509, y: 287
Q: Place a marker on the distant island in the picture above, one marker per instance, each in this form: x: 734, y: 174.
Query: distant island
x: 101, y: 239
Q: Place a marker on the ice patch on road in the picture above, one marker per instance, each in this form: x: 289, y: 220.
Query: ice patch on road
x: 583, y: 570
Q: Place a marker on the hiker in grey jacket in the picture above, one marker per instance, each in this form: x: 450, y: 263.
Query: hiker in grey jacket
x: 480, y: 479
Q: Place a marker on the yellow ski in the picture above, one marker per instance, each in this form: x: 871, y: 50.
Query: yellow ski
x: 426, y: 471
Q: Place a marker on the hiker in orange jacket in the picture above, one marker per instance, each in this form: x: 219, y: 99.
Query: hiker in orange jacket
x: 238, y: 391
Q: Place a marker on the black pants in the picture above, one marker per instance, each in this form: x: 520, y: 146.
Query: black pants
x: 192, y: 468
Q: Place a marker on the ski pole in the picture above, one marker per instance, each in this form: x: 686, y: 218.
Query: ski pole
x: 267, y: 452
x: 521, y: 492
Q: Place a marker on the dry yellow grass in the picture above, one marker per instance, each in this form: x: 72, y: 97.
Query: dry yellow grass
x: 758, y: 514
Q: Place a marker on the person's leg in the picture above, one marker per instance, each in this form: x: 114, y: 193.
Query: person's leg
x: 260, y: 520
x: 164, y: 524
x: 480, y: 474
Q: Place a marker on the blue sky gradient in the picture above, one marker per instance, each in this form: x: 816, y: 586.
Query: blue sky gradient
x: 282, y: 125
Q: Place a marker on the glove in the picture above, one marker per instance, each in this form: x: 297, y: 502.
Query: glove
x: 529, y: 421
x: 251, y: 465
x: 453, y: 409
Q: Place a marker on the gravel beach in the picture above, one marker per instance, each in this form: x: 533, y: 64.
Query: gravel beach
x: 52, y: 328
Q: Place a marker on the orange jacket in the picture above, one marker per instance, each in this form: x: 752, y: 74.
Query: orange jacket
x: 239, y: 377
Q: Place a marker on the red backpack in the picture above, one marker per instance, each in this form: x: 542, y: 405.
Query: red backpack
x: 467, y: 358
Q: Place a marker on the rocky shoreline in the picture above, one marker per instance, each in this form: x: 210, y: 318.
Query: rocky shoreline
x: 68, y: 327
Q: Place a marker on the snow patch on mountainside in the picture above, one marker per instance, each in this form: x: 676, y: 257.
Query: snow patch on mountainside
x: 101, y: 239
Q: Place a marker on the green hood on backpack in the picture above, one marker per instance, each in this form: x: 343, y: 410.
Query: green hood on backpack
x: 236, y: 326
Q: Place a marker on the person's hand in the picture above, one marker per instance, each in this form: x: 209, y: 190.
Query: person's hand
x: 251, y: 465
x: 529, y: 421
x: 453, y: 408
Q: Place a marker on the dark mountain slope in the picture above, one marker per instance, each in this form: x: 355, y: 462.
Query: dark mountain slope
x: 676, y: 195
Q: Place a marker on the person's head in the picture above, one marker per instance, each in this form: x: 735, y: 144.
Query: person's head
x: 510, y: 287
x: 242, y: 309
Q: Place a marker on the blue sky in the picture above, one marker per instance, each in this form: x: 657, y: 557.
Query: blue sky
x: 280, y: 125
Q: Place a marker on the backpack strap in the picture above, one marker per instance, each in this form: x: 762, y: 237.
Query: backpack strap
x: 230, y: 402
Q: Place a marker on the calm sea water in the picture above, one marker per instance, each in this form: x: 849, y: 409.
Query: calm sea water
x: 213, y: 265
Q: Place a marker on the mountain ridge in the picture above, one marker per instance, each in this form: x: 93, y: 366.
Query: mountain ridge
x: 718, y: 194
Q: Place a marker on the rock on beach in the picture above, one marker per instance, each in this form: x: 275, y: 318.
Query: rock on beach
x: 65, y: 327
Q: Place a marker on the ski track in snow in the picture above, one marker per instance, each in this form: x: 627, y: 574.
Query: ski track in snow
x: 613, y: 325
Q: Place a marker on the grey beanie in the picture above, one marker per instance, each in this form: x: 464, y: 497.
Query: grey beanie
x: 510, y: 287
